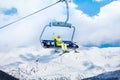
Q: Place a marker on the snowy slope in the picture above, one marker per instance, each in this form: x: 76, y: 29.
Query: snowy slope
x: 33, y: 63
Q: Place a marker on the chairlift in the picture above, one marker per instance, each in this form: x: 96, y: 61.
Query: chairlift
x: 52, y: 43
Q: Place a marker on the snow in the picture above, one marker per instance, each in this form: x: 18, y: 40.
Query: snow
x: 39, y: 63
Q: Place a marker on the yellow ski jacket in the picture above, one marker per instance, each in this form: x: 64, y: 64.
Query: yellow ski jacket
x: 58, y: 41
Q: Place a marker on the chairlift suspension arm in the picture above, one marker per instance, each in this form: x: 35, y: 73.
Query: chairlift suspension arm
x: 67, y: 9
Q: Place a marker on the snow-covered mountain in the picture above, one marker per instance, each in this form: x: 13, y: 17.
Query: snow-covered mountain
x: 113, y: 75
x: 6, y: 76
x: 28, y: 63
x: 36, y: 63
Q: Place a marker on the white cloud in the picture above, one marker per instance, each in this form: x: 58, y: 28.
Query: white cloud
x: 98, y: 29
x: 98, y: 0
x: 95, y: 30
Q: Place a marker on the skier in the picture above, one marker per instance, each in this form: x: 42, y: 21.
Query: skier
x: 59, y: 42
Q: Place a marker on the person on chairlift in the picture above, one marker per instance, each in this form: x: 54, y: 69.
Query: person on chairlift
x: 60, y: 43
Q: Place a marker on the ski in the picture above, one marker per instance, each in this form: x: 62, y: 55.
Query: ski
x: 63, y: 53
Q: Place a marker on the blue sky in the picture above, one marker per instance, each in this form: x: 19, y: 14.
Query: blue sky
x: 9, y: 11
x: 91, y: 7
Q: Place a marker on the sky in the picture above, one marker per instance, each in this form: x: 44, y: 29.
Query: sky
x: 96, y: 21
x: 91, y: 7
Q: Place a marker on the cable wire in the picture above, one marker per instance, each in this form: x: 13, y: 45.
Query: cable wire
x: 30, y: 14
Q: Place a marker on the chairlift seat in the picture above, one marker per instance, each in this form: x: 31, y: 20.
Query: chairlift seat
x: 52, y: 44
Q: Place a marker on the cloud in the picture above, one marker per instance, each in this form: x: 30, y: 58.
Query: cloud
x: 98, y: 0
x: 103, y: 28
x: 100, y: 29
